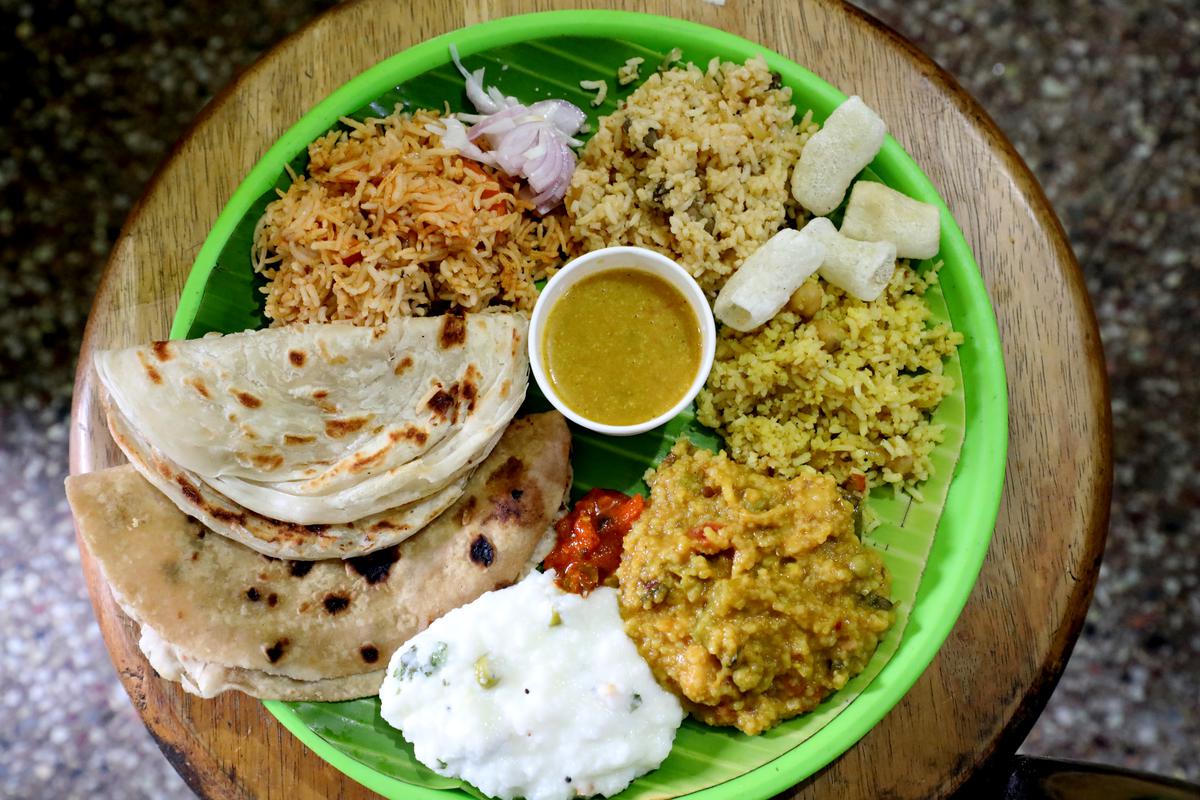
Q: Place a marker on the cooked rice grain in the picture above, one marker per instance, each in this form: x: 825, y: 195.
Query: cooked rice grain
x: 784, y: 402
x: 694, y: 164
x: 599, y: 87
x: 389, y: 223
x: 630, y: 71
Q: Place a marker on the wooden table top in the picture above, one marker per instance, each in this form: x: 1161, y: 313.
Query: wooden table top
x: 998, y: 667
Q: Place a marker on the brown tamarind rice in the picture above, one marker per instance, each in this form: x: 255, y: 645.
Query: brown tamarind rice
x: 695, y: 164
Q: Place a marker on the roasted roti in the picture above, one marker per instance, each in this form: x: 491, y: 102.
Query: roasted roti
x: 209, y: 680
x: 324, y: 423
x: 213, y: 604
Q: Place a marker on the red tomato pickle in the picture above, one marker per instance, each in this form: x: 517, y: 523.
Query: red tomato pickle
x: 590, y: 538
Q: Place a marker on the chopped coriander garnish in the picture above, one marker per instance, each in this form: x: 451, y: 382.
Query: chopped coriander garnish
x: 878, y: 602
x: 411, y: 664
x: 437, y: 657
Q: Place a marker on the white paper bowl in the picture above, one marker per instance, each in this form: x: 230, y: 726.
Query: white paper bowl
x: 638, y: 258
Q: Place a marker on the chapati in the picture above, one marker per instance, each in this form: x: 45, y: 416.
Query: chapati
x: 209, y: 680
x: 215, y: 602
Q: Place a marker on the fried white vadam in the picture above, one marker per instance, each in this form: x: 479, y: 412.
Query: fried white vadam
x: 848, y: 141
x: 878, y: 213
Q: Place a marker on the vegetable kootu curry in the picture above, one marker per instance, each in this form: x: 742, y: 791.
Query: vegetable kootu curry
x: 622, y: 346
x: 750, y: 597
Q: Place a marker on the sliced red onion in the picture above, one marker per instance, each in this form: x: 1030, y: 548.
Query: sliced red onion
x: 523, y: 137
x: 496, y: 97
x: 537, y: 151
x: 497, y: 124
x: 542, y: 176
x: 533, y: 142
x: 566, y: 117
x: 553, y: 195
x: 542, y: 170
x: 475, y: 91
x: 455, y: 137
x: 511, y: 154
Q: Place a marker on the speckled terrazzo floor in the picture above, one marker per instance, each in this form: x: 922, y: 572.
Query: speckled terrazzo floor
x: 1100, y: 97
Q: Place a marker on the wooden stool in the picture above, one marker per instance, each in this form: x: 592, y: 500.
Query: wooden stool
x: 1001, y: 662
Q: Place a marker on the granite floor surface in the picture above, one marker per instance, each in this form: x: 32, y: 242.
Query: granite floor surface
x: 1100, y: 97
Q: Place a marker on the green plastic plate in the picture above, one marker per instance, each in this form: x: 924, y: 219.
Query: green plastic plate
x: 934, y: 547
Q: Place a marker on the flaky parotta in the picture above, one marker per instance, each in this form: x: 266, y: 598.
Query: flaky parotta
x: 324, y: 423
x: 269, y: 536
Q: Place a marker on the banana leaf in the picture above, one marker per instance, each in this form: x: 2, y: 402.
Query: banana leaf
x: 702, y: 757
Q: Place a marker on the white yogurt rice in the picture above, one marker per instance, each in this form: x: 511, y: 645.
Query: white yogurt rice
x: 531, y: 692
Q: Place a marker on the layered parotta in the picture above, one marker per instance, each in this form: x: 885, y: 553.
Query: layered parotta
x: 269, y: 536
x: 323, y: 423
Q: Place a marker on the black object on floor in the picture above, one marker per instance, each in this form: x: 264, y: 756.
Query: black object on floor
x: 1028, y: 778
